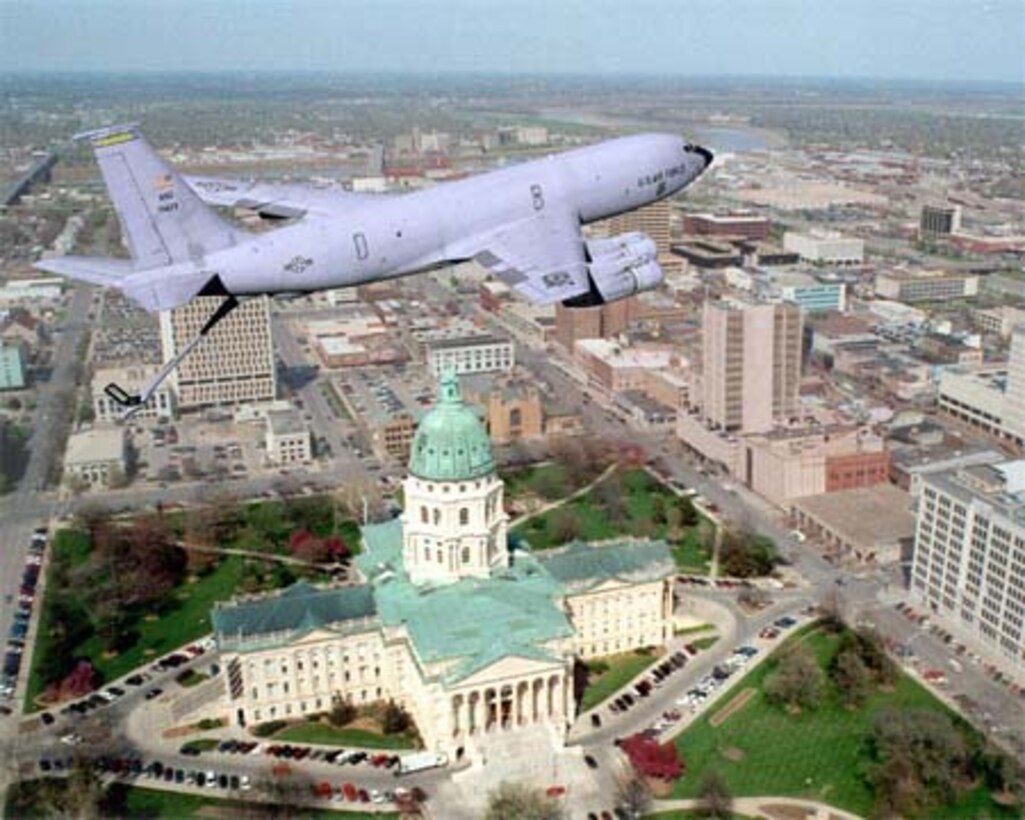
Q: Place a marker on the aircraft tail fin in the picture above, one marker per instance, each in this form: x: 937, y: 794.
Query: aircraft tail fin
x: 162, y: 219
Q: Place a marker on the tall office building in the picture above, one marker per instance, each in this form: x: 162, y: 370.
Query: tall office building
x: 969, y: 559
x: 652, y: 219
x: 233, y: 365
x: 1014, y: 396
x: 752, y: 364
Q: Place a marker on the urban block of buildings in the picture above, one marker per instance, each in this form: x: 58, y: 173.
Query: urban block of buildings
x: 473, y: 638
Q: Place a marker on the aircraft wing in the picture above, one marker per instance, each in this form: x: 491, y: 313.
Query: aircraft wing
x: 542, y: 256
x: 279, y: 200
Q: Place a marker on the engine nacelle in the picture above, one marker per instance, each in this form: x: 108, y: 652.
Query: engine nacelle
x: 623, y: 265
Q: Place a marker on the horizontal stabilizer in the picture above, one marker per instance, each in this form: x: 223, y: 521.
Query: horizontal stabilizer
x: 95, y: 269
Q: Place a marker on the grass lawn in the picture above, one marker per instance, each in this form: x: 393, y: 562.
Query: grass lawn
x: 329, y: 736
x: 702, y: 644
x: 185, y: 619
x: 639, y: 504
x: 819, y: 754
x: 143, y: 802
x: 692, y: 555
x: 622, y: 669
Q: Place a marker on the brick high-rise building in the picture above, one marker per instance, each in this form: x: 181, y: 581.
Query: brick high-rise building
x: 752, y: 364
x: 233, y: 365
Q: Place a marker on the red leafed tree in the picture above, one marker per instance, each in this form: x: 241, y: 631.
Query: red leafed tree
x: 298, y: 540
x: 652, y: 759
x: 80, y: 680
x: 337, y: 548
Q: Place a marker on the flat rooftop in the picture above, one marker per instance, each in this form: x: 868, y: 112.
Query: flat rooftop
x: 866, y: 516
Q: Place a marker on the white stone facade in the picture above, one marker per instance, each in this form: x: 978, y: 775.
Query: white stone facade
x: 453, y: 529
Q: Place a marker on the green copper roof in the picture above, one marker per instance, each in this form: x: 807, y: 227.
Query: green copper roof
x: 451, y: 443
x: 580, y: 566
x: 473, y: 621
x: 299, y: 609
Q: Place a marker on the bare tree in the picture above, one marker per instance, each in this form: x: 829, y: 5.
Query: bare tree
x: 518, y: 801
x: 633, y: 795
x: 714, y: 798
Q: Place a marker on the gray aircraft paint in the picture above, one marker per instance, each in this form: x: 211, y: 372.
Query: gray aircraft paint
x: 522, y: 222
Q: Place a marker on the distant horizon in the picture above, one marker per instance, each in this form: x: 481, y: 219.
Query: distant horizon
x: 590, y: 76
x: 944, y: 40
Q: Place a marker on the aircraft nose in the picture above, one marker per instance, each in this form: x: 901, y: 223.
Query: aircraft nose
x: 707, y: 155
x: 702, y: 152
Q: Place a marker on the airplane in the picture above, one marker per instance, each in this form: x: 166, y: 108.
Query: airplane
x: 522, y: 223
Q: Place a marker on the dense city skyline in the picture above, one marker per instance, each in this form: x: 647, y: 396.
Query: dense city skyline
x: 977, y: 41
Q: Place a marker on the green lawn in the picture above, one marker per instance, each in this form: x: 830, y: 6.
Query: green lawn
x: 329, y: 736
x: 142, y: 802
x: 820, y: 754
x: 186, y: 618
x: 622, y: 669
x: 702, y: 644
x: 641, y: 494
x: 692, y: 555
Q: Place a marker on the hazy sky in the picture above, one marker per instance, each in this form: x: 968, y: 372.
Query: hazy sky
x: 920, y: 39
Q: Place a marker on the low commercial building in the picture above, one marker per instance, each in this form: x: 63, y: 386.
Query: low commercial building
x: 613, y: 367
x: 133, y: 379
x: 868, y: 525
x: 967, y: 569
x: 909, y: 466
x: 288, y: 438
x: 825, y: 247
x: 792, y: 462
x: 1000, y: 321
x: 811, y: 293
x: 926, y: 285
x: 470, y: 354
x: 12, y: 366
x: 739, y: 223
x: 93, y: 455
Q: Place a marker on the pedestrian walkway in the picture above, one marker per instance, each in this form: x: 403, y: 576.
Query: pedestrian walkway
x: 770, y: 808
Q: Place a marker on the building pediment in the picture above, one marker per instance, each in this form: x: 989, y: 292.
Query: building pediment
x: 511, y: 667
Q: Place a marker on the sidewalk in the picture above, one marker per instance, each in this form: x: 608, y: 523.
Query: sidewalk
x: 771, y: 808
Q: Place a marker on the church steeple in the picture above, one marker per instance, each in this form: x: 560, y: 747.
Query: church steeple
x: 454, y: 522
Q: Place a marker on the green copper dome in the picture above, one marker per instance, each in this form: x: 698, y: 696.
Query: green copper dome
x: 451, y: 443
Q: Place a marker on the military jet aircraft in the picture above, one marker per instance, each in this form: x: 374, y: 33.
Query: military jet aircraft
x: 520, y: 222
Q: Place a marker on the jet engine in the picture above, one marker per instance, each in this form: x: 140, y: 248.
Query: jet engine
x: 620, y: 266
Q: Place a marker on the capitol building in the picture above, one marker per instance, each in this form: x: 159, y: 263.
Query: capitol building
x: 472, y: 637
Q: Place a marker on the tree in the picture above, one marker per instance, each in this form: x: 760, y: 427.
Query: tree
x: 920, y: 758
x: 343, y: 712
x: 633, y: 794
x: 659, y: 508
x: 396, y: 719
x: 745, y: 555
x: 566, y: 526
x: 517, y: 801
x: 688, y: 512
x: 714, y: 798
x: 550, y: 482
x: 116, y: 478
x: 610, y: 495
x: 674, y: 523
x: 851, y: 676
x: 798, y: 680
